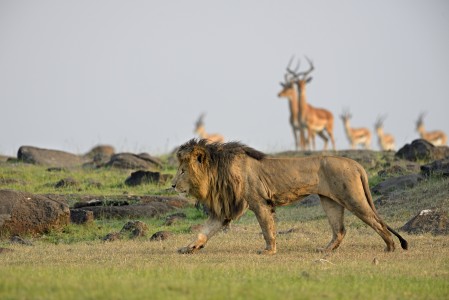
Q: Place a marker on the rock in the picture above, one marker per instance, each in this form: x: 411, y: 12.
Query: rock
x: 66, y: 183
x: 79, y: 216
x: 18, y: 240
x: 113, y: 236
x: 433, y: 221
x: 438, y: 167
x: 4, y: 158
x: 100, y: 150
x: 101, y: 202
x: 135, y: 211
x: 134, y: 161
x: 160, y: 236
x: 99, y: 156
x: 174, y: 218
x: 51, y: 158
x: 135, y: 229
x: 395, y: 183
x: 142, y: 177
x: 25, y: 213
x: 422, y: 150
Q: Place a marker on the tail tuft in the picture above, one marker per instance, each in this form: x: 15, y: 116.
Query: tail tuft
x: 404, y: 243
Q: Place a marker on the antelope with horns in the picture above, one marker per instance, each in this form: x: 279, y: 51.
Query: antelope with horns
x: 316, y: 120
x: 356, y: 136
x: 436, y: 137
x: 200, y: 130
x: 298, y: 130
x: 386, y: 141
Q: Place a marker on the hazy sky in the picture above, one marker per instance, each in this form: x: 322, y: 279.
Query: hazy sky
x: 137, y: 74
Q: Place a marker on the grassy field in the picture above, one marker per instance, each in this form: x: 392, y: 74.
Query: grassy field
x: 76, y: 264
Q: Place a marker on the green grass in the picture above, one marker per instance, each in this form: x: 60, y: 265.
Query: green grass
x: 38, y: 180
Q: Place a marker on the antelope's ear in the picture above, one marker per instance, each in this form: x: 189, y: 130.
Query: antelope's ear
x: 309, y: 79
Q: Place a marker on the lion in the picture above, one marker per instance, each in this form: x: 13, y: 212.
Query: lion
x: 229, y: 178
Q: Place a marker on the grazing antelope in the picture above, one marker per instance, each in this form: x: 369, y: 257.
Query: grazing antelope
x: 356, y: 136
x: 386, y: 141
x: 436, y: 137
x: 201, y: 131
x: 315, y: 120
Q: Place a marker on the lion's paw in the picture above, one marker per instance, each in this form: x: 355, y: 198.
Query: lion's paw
x: 266, y: 252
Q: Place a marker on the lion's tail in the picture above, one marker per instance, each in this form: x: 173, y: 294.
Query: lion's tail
x: 364, y: 178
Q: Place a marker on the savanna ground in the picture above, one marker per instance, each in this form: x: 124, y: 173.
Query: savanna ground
x: 76, y: 264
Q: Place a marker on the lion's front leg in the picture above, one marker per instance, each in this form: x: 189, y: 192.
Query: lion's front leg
x: 265, y: 216
x: 210, y: 228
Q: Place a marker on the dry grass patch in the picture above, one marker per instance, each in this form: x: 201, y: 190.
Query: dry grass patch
x: 229, y: 268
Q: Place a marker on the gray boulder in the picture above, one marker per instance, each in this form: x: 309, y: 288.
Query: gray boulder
x: 134, y: 161
x: 51, y: 158
x: 25, y: 213
x: 433, y: 221
x: 396, y: 183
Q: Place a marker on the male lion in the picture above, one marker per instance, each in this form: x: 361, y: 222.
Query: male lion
x: 230, y: 177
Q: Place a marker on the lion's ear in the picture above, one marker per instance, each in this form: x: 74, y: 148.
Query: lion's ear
x: 200, y: 155
x: 200, y: 158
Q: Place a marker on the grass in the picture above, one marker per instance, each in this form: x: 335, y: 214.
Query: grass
x: 76, y: 264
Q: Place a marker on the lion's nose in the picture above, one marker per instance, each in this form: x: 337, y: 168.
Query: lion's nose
x: 173, y: 185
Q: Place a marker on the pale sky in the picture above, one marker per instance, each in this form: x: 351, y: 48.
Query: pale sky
x: 137, y: 74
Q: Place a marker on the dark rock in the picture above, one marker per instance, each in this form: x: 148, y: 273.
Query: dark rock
x: 18, y: 240
x: 396, y: 183
x: 101, y: 202
x: 142, y: 177
x: 46, y: 157
x: 174, y: 218
x: 135, y: 229
x: 438, y: 167
x: 433, y: 221
x: 25, y: 213
x: 79, y: 216
x: 113, y: 236
x: 421, y: 150
x: 66, y: 182
x: 160, y: 236
x: 133, y: 161
x: 56, y: 169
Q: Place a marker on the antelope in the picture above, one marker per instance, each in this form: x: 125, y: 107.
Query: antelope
x: 201, y: 131
x: 436, y: 137
x: 386, y: 141
x: 298, y: 130
x: 315, y: 120
x: 356, y: 136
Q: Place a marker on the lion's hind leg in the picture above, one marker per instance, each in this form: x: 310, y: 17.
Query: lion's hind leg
x: 335, y: 215
x: 365, y: 213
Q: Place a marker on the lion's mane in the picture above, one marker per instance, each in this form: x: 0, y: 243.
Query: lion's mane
x: 215, y: 163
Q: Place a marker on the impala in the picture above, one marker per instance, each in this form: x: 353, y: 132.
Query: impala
x: 356, y: 136
x: 316, y: 120
x: 201, y: 131
x: 386, y: 141
x: 436, y: 137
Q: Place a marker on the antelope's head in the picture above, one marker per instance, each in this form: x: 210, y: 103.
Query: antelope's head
x: 292, y: 77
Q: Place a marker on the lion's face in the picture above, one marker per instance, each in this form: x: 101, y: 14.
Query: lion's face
x: 191, y: 177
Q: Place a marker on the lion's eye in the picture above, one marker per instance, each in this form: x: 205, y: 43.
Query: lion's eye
x: 182, y: 171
